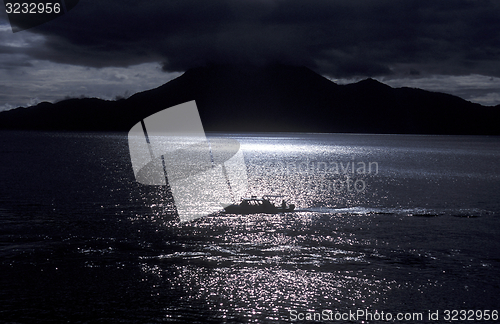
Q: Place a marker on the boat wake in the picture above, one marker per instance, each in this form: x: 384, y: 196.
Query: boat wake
x: 414, y: 212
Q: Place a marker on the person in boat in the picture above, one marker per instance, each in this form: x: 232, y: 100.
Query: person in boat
x: 283, y: 204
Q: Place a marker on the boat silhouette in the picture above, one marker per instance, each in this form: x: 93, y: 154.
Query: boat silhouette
x: 256, y: 205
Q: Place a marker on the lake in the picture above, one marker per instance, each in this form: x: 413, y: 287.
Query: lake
x: 399, y: 225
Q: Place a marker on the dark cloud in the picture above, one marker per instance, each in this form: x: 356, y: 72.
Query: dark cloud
x: 338, y: 38
x: 13, y: 64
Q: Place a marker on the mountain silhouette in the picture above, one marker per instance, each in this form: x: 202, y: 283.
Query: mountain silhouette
x: 267, y: 99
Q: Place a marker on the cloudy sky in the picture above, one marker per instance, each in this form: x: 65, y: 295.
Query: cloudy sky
x: 114, y: 48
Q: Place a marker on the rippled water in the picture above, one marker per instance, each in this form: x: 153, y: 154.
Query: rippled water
x: 81, y: 241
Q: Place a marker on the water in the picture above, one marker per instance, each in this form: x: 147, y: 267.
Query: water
x: 82, y: 242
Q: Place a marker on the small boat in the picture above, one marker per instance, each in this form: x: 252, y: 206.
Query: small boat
x: 256, y: 205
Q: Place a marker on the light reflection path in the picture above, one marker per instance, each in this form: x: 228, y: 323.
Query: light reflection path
x: 393, y: 247
x: 261, y: 266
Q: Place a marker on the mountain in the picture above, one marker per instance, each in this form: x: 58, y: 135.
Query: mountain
x: 272, y: 98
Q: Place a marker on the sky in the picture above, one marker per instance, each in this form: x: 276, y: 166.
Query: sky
x: 114, y: 48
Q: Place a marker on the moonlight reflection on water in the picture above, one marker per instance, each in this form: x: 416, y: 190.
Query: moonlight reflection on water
x: 83, y: 241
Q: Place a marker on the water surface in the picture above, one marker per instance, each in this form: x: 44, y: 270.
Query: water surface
x: 81, y: 241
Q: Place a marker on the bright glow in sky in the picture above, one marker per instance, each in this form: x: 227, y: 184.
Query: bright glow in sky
x: 46, y: 81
